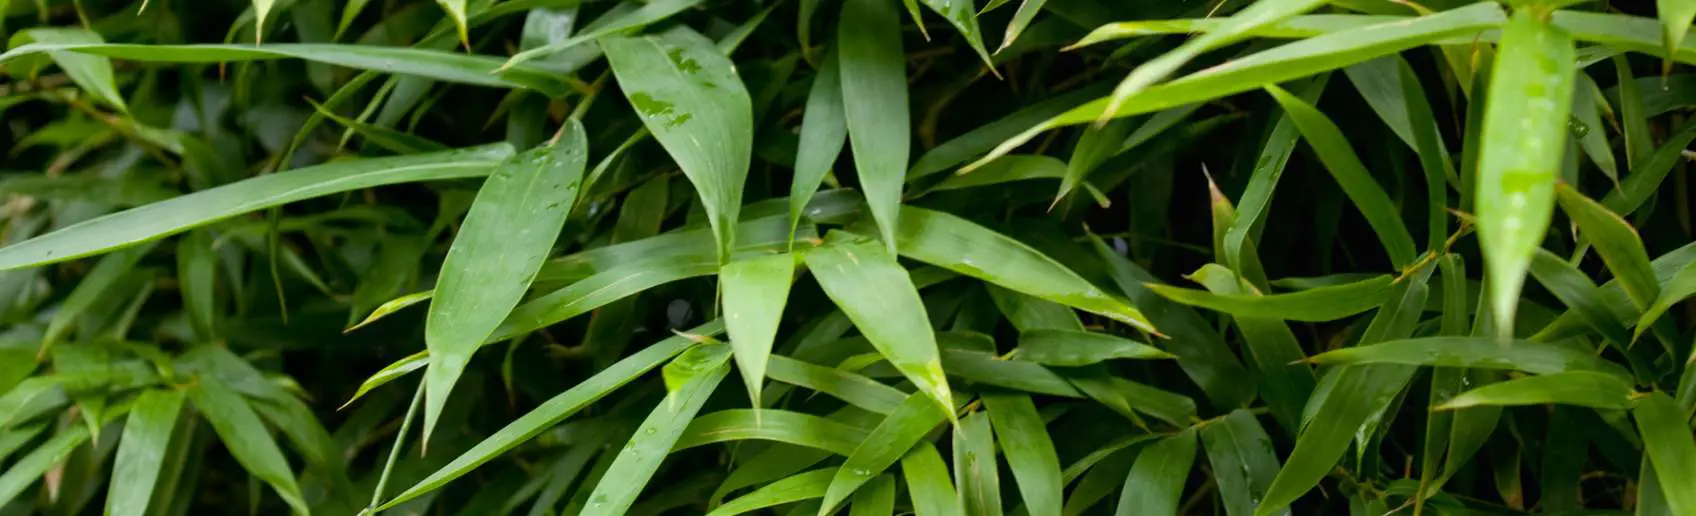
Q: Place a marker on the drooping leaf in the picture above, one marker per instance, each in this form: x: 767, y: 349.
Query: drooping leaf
x: 1029, y: 450
x: 90, y: 72
x: 1616, y: 242
x: 1528, y: 104
x: 1315, y: 305
x: 771, y: 425
x: 824, y: 130
x: 244, y: 435
x: 165, y: 218
x: 887, y: 444
x: 755, y: 291
x: 509, y: 231
x: 641, y: 456
x: 1582, y: 388
x: 29, y: 468
x: 874, y: 99
x: 1667, y: 447
x: 804, y: 486
x: 1525, y: 356
x: 1324, y: 439
x: 1078, y: 348
x: 1156, y: 483
x: 879, y: 297
x: 1242, y: 459
x: 975, y: 465
x: 928, y: 483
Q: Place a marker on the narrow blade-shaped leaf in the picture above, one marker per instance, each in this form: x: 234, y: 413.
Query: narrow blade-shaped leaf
x: 755, y: 291
x: 1030, y: 452
x: 824, y: 130
x: 636, y: 463
x: 878, y: 295
x: 887, y: 443
x: 874, y: 98
x: 147, y: 434
x: 27, y: 469
x: 1242, y: 459
x: 508, y: 233
x: 975, y: 466
x: 804, y: 486
x: 928, y: 483
x: 771, y: 425
x: 956, y: 244
x: 1156, y: 483
x: 1668, y: 447
x: 1616, y: 242
x: 1323, y: 440
x: 1079, y: 348
x: 1313, y: 305
x: 689, y: 97
x: 1525, y: 128
x: 1582, y: 388
x: 244, y: 435
x: 1531, y: 357
x: 165, y: 218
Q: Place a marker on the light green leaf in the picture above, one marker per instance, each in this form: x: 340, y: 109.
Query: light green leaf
x: 1525, y: 126
x: 261, y: 9
x: 1028, y: 9
x: 854, y: 389
x: 1616, y: 242
x: 165, y: 218
x: 1156, y: 483
x: 1582, y: 388
x: 879, y: 297
x: 824, y: 129
x: 975, y: 466
x: 1339, y: 158
x: 456, y: 12
x: 596, y: 291
x: 961, y: 246
x: 1594, y: 139
x: 1572, y: 287
x: 1236, y: 28
x: 98, y: 283
x: 706, y: 356
x: 928, y: 483
x: 887, y: 443
x: 877, y: 499
x: 1676, y: 16
x: 1324, y: 439
x: 963, y: 16
x: 755, y: 291
x: 641, y: 456
x: 614, y: 22
x: 27, y: 469
x: 556, y: 409
x: 1313, y: 305
x: 500, y: 246
x: 147, y: 433
x: 1078, y: 348
x: 1531, y: 357
x: 1030, y: 452
x: 1277, y: 65
x: 771, y: 425
x: 244, y: 435
x: 1681, y: 286
x: 690, y: 98
x: 874, y: 98
x: 804, y: 486
x: 91, y: 73
x: 1667, y: 446
x: 1294, y: 27
x: 983, y: 138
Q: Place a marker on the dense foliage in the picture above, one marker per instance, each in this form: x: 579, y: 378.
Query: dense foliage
x: 1041, y: 257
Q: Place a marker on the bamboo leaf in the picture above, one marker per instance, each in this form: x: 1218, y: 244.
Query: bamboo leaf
x: 1078, y: 348
x: 1572, y: 287
x: 874, y: 99
x: 1676, y: 16
x: 1030, y: 452
x: 509, y: 231
x: 1616, y: 242
x: 804, y: 486
x: 690, y: 98
x: 21, y: 474
x: 147, y: 434
x: 1156, y: 483
x: 1472, y: 352
x: 244, y: 435
x: 963, y: 16
x: 1314, y: 305
x: 91, y: 73
x: 1323, y: 441
x: 1242, y: 459
x: 887, y: 443
x: 641, y: 456
x: 854, y: 389
x: 755, y: 291
x: 1667, y: 446
x: 824, y: 130
x: 975, y: 465
x: 879, y: 297
x: 1582, y: 388
x: 928, y: 483
x: 1294, y: 27
x: 613, y: 22
x: 1528, y: 104
x: 771, y: 425
x: 877, y: 499
x: 556, y: 409
x: 961, y: 246
x: 165, y: 218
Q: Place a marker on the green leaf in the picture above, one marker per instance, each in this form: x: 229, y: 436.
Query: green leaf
x: 1525, y: 120
x: 456, y: 12
x: 1572, y: 287
x: 1291, y: 61
x: 854, y: 389
x: 500, y: 246
x: 556, y: 409
x: 961, y: 246
x: 874, y: 99
x: 1313, y: 305
x: 147, y: 434
x: 24, y: 472
x: 244, y: 435
x: 1028, y: 9
x: 614, y: 22
x: 261, y: 9
x: 1645, y: 181
x: 690, y: 98
x: 1156, y: 483
x: 974, y: 466
x: 1236, y: 28
x: 1594, y: 140
x: 390, y: 139
x: 596, y: 291
x: 771, y: 425
x: 1294, y: 27
x: 887, y: 443
x: 1077, y: 348
x: 824, y: 130
x: 1582, y: 388
x: 1681, y: 286
x: 1030, y: 452
x: 804, y: 486
x: 694, y: 362
x: 1333, y: 149
x: 1324, y: 439
x: 1242, y: 459
x: 641, y: 456
x: 1667, y: 446
x: 161, y: 219
x: 1676, y: 16
x: 879, y: 297
x: 1616, y: 242
x: 97, y: 284
x: 1517, y: 355
x: 755, y: 291
x: 928, y: 483
x: 963, y: 16
x: 983, y: 138
x: 877, y: 499
x: 91, y: 73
